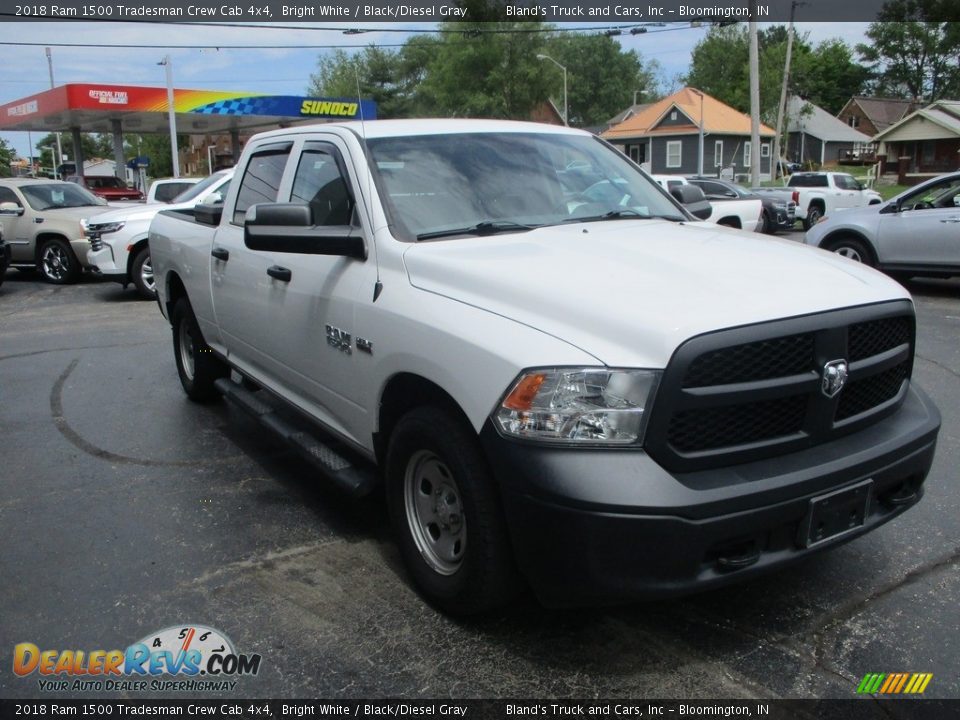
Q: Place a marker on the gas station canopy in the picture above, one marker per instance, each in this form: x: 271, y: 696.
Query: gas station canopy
x: 98, y: 108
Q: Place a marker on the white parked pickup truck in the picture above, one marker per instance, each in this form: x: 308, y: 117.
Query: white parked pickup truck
x: 818, y: 194
x: 118, y: 239
x: 739, y: 213
x: 590, y: 392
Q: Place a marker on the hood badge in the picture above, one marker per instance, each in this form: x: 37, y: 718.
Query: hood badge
x: 835, y: 375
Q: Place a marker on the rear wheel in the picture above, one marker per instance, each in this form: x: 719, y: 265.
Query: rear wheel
x: 446, y: 513
x: 57, y: 263
x: 854, y: 250
x: 814, y: 213
x: 197, y: 366
x: 141, y: 271
x: 766, y: 226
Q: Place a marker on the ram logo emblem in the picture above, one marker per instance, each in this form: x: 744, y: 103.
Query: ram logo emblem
x: 834, y: 377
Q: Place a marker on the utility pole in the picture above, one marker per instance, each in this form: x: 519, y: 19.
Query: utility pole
x: 754, y: 104
x: 783, y: 90
x: 56, y: 175
x: 174, y: 150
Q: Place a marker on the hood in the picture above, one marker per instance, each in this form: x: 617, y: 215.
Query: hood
x: 128, y: 213
x: 73, y: 213
x: 629, y: 292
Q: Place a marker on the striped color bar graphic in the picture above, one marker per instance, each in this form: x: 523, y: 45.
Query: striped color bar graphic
x: 894, y: 683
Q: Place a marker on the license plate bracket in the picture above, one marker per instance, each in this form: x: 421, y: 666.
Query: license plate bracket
x: 837, y: 513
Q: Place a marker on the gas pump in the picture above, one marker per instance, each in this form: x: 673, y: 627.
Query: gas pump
x: 140, y: 164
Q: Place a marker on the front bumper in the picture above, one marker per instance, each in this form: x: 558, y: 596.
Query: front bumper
x: 102, y: 261
x: 607, y: 526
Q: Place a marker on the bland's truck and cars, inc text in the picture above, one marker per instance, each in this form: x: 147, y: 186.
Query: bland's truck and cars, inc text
x: 559, y: 376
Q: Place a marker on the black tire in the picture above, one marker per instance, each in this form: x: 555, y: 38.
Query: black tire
x: 853, y: 249
x: 766, y: 225
x: 57, y: 263
x: 814, y: 213
x: 197, y: 366
x: 141, y: 272
x: 446, y: 513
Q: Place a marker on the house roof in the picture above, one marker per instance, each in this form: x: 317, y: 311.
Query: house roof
x: 812, y: 119
x: 718, y: 118
x: 628, y: 113
x: 883, y: 112
x: 943, y: 113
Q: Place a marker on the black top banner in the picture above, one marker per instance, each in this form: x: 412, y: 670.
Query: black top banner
x: 639, y: 13
x: 247, y: 709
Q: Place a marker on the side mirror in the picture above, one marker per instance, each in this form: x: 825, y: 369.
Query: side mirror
x: 289, y: 228
x: 693, y: 199
x: 11, y: 208
x: 214, y: 198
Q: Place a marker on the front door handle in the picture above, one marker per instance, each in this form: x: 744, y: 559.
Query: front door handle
x: 280, y: 273
x: 220, y: 254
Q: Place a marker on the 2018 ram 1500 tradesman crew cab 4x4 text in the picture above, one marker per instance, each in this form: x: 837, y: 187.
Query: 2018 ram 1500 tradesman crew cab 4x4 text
x: 591, y: 391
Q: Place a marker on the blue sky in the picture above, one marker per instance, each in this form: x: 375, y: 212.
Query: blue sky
x: 274, y: 71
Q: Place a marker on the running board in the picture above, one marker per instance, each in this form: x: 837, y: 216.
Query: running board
x: 355, y: 481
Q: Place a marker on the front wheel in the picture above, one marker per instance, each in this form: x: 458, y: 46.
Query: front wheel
x: 854, y: 250
x: 446, y: 513
x: 141, y: 272
x: 197, y: 366
x: 57, y: 263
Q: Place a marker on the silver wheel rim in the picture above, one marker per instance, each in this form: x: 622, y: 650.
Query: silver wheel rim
x: 55, y: 262
x: 434, y: 512
x: 186, y: 350
x: 146, y: 275
x: 849, y: 252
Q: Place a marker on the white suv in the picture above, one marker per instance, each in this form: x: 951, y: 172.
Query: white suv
x: 118, y: 239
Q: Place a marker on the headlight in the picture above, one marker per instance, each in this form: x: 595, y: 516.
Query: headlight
x: 594, y: 406
x: 104, y: 228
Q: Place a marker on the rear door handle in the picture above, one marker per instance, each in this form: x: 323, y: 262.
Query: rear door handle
x: 951, y: 220
x: 220, y: 254
x: 280, y: 273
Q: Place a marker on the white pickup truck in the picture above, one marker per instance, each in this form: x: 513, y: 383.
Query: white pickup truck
x: 604, y: 398
x: 739, y: 213
x: 818, y: 194
x: 118, y: 238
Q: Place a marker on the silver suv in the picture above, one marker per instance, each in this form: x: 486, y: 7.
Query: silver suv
x: 915, y: 233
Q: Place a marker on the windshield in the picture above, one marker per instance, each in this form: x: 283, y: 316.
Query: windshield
x: 58, y: 195
x: 482, y: 183
x: 195, y: 191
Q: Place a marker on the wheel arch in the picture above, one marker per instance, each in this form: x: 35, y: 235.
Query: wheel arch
x: 837, y: 236
x: 132, y: 253
x: 175, y: 290
x: 42, y: 237
x: 403, y: 392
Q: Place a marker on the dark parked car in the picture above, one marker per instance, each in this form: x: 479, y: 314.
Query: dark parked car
x: 777, y: 214
x: 107, y: 186
x: 4, y: 257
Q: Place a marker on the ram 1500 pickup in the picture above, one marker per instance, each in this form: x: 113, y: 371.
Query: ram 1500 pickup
x: 567, y: 381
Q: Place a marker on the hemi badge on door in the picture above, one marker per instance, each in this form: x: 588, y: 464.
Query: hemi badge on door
x: 364, y: 345
x: 339, y: 339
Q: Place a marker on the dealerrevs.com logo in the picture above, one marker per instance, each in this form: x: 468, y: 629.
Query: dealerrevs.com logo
x: 184, y: 657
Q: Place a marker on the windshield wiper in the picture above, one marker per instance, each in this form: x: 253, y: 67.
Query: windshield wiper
x: 622, y: 215
x: 487, y: 227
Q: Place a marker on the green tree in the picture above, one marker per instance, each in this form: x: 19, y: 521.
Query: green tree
x: 911, y: 53
x: 825, y: 75
x: 480, y: 71
x: 601, y: 77
x: 7, y: 156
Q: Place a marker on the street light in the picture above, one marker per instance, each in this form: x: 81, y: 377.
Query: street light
x: 174, y: 150
x: 700, y: 155
x: 56, y: 175
x: 547, y: 57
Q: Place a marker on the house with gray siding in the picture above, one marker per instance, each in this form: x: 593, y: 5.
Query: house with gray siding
x: 665, y: 136
x: 817, y: 138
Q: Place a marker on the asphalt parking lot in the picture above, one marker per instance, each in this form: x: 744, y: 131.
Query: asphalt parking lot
x: 126, y: 509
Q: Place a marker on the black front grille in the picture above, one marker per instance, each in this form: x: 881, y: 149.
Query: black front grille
x: 760, y: 360
x: 862, y: 395
x: 877, y: 336
x: 709, y: 428
x: 758, y: 391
